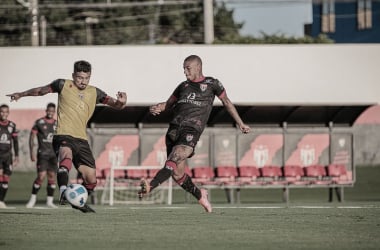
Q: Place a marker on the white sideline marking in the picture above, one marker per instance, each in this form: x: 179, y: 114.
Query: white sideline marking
x: 249, y: 207
x: 147, y: 208
x: 312, y: 207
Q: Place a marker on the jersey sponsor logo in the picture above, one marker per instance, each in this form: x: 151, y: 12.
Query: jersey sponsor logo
x: 208, y: 81
x: 203, y: 87
x: 49, y: 138
x: 4, y: 139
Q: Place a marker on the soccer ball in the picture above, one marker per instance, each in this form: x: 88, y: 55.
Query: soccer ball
x: 76, y: 194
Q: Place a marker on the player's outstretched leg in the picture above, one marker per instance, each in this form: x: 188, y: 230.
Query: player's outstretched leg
x: 200, y: 194
x: 204, y: 202
x: 86, y: 208
x: 63, y: 179
x: 144, y: 188
x: 162, y: 175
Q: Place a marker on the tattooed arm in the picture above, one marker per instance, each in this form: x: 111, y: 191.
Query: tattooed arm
x: 39, y: 91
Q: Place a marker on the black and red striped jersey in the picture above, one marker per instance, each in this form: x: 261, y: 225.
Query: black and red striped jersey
x: 8, y: 136
x: 44, y: 129
x: 194, y: 102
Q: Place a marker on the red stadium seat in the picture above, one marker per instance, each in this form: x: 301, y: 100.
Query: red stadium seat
x: 204, y: 175
x: 248, y: 175
x: 293, y: 175
x: 226, y: 175
x: 338, y: 174
x: 317, y: 175
x: 272, y: 175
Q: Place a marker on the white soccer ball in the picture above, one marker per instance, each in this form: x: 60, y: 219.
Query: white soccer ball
x: 76, y: 194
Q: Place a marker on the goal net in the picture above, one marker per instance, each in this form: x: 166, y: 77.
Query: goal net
x: 123, y: 183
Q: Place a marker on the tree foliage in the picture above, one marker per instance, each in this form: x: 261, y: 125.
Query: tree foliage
x: 156, y: 24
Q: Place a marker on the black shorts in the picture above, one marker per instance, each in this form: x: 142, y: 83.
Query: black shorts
x: 177, y: 135
x: 6, y: 163
x: 46, y: 163
x: 80, y: 148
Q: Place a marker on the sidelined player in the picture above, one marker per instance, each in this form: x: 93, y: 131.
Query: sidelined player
x: 76, y: 104
x: 43, y: 129
x: 191, y: 102
x: 8, y: 137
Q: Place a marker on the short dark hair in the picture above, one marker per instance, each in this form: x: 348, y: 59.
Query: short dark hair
x: 50, y: 105
x: 82, y: 66
x: 194, y: 58
x: 4, y: 106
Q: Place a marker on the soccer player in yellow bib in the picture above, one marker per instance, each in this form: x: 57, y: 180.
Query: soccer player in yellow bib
x: 76, y: 104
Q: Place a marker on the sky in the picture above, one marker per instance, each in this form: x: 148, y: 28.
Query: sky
x: 282, y: 17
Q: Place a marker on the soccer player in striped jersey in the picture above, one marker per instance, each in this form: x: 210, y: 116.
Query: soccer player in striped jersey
x: 43, y: 129
x: 191, y: 103
x: 8, y: 137
x: 76, y: 104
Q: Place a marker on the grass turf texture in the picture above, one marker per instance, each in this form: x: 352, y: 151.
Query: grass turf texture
x: 262, y: 221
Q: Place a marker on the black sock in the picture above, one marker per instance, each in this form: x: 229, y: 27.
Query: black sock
x: 50, y: 189
x: 188, y: 185
x: 36, y: 187
x: 3, y: 190
x: 162, y: 175
x: 62, y: 176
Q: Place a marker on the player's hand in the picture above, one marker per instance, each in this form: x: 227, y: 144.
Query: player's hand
x: 14, y: 96
x: 121, y: 97
x: 155, y: 109
x: 33, y: 158
x: 15, y: 161
x: 245, y: 129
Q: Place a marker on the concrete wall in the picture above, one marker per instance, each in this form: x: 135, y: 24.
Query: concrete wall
x: 252, y: 74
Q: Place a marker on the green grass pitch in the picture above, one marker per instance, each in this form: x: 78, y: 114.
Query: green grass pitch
x: 261, y: 221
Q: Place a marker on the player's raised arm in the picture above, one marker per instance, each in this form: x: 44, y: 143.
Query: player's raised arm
x: 233, y: 112
x: 119, y: 102
x: 38, y: 91
x: 162, y: 106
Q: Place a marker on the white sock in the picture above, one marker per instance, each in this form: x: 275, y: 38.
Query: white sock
x: 33, y: 197
x: 62, y: 188
x: 49, y: 199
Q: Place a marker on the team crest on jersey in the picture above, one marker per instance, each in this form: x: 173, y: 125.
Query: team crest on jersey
x: 81, y: 95
x: 10, y: 129
x: 45, y: 127
x: 203, y: 87
x: 41, y: 121
x: 189, y: 137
